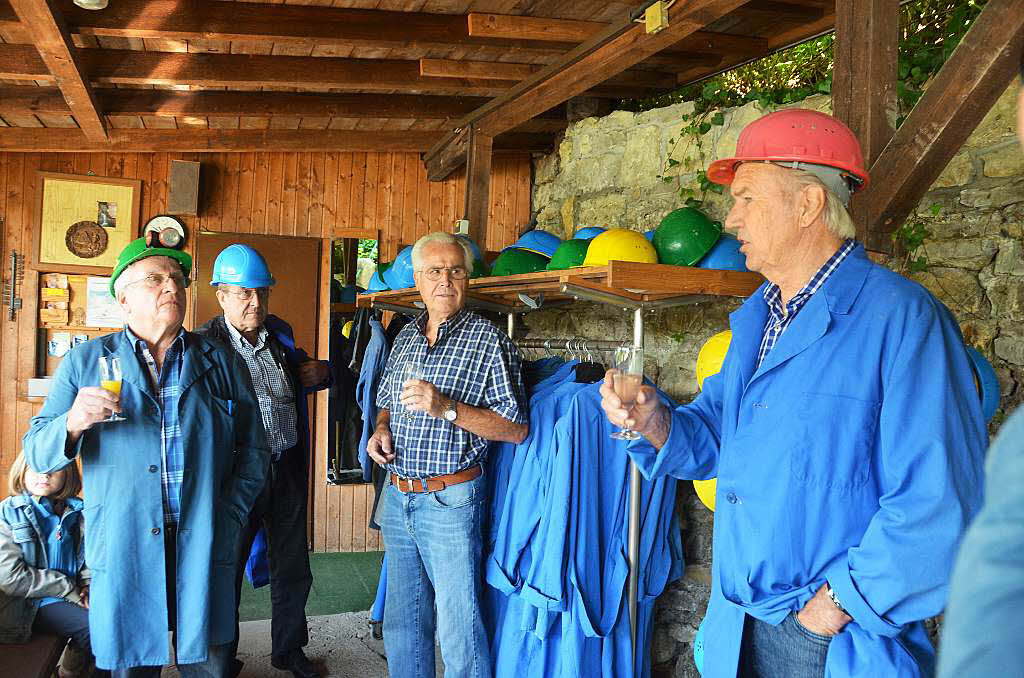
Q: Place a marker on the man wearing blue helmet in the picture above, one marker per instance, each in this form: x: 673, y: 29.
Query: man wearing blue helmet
x: 282, y: 375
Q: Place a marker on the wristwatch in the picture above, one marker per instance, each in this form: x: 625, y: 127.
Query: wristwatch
x: 835, y: 599
x: 450, y: 413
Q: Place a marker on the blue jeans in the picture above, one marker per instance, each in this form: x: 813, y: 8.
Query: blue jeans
x: 785, y: 651
x: 433, y: 542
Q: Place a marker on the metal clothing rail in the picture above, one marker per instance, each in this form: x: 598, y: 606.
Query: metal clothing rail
x: 638, y: 308
x: 572, y: 344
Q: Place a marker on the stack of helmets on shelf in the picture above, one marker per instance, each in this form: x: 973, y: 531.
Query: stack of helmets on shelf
x: 685, y: 237
x: 530, y: 254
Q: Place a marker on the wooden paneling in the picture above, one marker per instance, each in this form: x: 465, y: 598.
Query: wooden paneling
x: 326, y: 195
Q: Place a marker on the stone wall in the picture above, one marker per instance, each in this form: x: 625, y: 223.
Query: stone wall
x: 609, y: 172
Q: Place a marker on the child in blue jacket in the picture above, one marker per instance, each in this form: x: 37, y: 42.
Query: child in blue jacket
x: 44, y: 584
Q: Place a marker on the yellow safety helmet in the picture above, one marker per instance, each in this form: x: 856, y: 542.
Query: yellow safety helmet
x: 346, y: 329
x: 706, y: 491
x: 620, y: 244
x: 712, y: 355
x: 709, y: 361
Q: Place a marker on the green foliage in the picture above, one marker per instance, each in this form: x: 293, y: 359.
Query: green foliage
x: 367, y: 249
x: 929, y: 32
x: 909, y: 240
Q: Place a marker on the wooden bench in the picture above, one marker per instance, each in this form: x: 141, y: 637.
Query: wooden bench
x: 36, y: 659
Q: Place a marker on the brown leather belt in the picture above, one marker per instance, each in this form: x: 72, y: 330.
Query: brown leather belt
x: 434, y: 483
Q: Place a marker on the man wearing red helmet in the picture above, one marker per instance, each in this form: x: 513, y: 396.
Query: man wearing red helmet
x: 844, y: 430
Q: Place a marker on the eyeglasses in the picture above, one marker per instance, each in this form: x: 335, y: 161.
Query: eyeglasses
x: 456, y: 272
x: 155, y: 281
x: 246, y: 293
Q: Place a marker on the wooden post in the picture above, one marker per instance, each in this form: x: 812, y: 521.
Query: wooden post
x: 964, y: 90
x: 864, y: 81
x: 478, y: 180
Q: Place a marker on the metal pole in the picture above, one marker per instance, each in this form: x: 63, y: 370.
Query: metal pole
x: 511, y: 325
x: 634, y: 508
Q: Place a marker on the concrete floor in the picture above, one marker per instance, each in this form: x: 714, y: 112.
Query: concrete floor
x: 340, y: 645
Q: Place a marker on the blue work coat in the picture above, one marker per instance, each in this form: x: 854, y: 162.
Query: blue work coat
x: 226, y: 460
x: 983, y: 627
x: 852, y: 455
x: 375, y: 357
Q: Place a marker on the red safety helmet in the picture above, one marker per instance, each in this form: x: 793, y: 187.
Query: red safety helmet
x: 796, y: 135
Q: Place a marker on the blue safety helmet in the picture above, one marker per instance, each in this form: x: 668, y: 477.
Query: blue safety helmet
x: 537, y: 241
x: 588, y: 232
x: 243, y: 266
x: 477, y: 256
x: 986, y: 381
x: 399, y: 275
x: 725, y: 255
x: 376, y: 283
x: 650, y: 234
x: 698, y: 648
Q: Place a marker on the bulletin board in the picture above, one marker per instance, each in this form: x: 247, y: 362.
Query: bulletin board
x: 84, y: 221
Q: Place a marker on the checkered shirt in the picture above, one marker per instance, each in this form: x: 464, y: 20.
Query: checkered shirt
x: 273, y: 390
x: 779, y: 318
x: 471, y: 362
x: 164, y: 383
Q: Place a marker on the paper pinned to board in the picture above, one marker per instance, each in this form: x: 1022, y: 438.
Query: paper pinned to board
x: 101, y: 309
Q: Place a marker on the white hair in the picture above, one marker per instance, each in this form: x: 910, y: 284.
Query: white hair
x: 122, y: 282
x: 440, y: 238
x: 836, y: 217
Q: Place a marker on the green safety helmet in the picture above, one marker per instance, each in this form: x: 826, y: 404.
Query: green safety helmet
x: 515, y: 261
x: 137, y: 249
x: 684, y: 236
x: 480, y: 269
x: 569, y: 254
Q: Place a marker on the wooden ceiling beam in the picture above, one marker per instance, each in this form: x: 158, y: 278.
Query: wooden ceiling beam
x: 17, y: 139
x: 609, y: 53
x: 127, y: 67
x: 53, y: 43
x: 960, y: 95
x: 498, y: 70
x: 570, y: 31
x: 170, y: 103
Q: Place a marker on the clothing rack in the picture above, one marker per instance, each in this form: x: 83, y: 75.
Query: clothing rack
x: 634, y: 471
x: 572, y: 345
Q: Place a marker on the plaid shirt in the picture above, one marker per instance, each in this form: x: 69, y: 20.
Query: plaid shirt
x: 471, y: 362
x: 779, y: 318
x: 273, y: 390
x: 165, y: 387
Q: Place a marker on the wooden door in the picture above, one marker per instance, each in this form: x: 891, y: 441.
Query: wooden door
x: 295, y: 265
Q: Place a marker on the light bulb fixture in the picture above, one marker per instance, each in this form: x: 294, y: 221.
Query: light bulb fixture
x: 91, y: 4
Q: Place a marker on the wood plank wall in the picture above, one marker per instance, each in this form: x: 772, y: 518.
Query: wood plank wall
x: 320, y: 195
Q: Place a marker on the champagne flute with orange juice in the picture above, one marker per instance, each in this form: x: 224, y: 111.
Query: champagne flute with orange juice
x: 110, y: 380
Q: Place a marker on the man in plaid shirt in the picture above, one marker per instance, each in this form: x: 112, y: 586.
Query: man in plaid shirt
x: 452, y: 383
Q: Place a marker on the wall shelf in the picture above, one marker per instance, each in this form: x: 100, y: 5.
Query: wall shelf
x: 621, y: 283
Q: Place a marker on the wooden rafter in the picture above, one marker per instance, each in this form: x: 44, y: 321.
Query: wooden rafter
x: 53, y: 43
x: 864, y: 85
x: 571, y: 31
x: 499, y: 70
x: 168, y: 103
x: 964, y: 90
x: 196, y: 140
x: 127, y: 67
x: 609, y: 53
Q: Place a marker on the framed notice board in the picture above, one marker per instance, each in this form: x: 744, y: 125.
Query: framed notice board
x: 83, y: 222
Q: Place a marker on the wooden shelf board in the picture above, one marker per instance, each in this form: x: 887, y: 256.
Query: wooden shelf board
x: 628, y: 280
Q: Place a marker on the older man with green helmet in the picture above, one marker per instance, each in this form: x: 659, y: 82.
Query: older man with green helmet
x: 166, y: 489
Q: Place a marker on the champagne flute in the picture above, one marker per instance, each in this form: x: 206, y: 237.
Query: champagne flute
x: 110, y: 380
x: 411, y: 369
x: 626, y: 382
